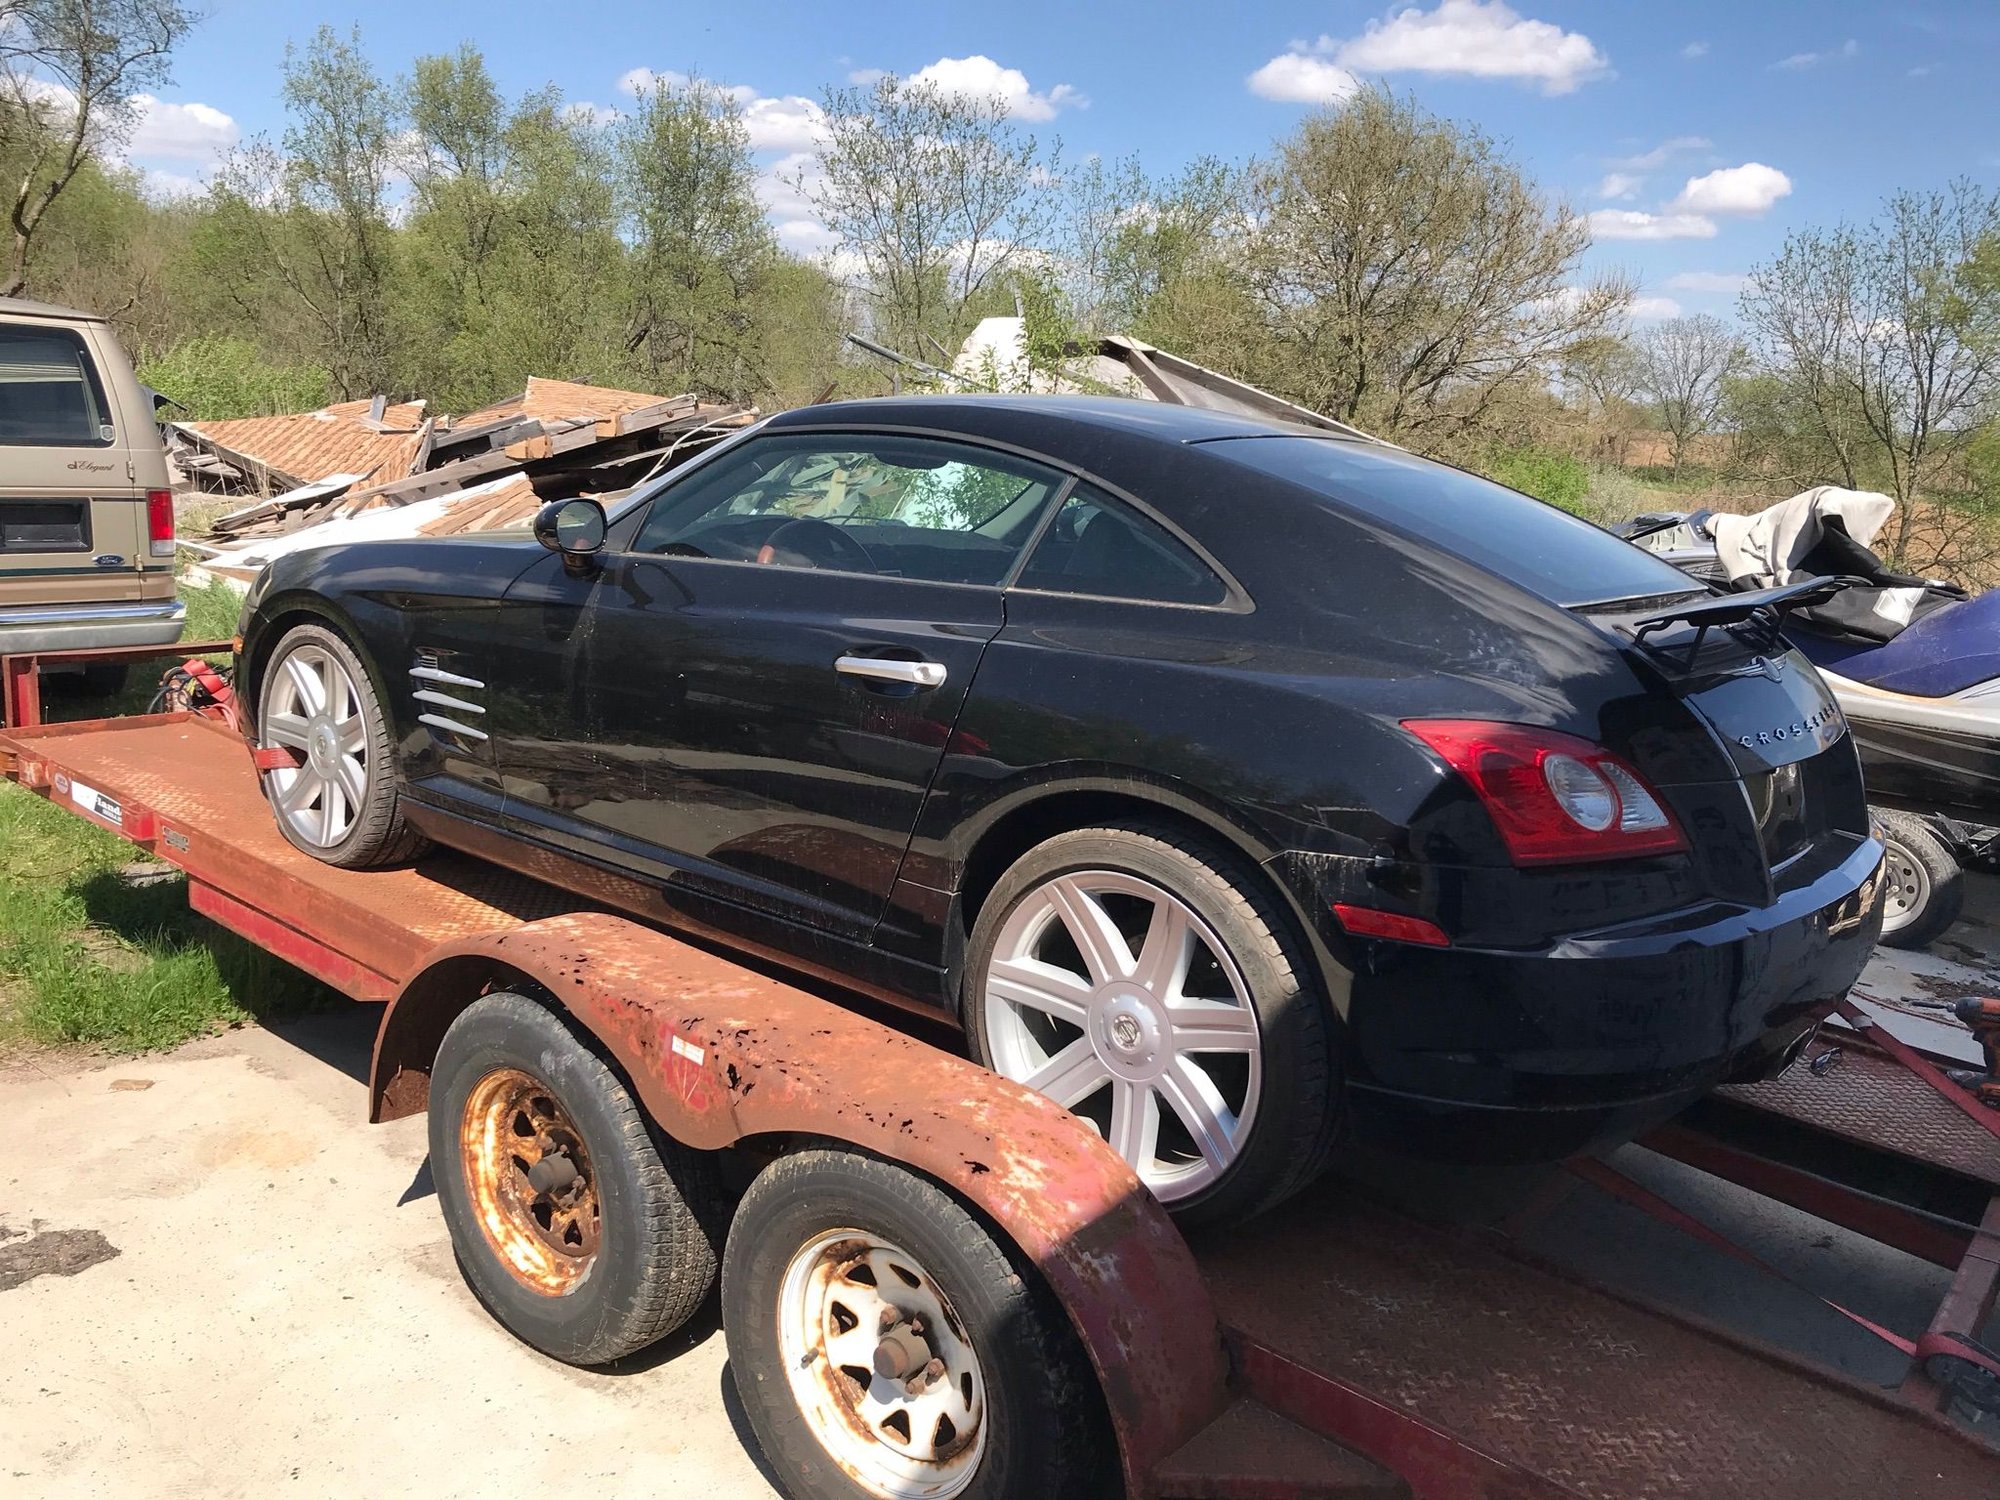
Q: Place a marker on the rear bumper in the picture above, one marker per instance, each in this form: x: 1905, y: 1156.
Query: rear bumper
x: 1497, y: 1056
x: 76, y: 627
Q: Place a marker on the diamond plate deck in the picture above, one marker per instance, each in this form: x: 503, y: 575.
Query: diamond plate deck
x: 1614, y: 1401
x: 1873, y: 1100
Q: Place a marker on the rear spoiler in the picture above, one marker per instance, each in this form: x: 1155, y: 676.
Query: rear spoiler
x: 1762, y: 609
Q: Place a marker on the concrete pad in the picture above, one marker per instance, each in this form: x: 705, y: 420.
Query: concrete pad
x: 279, y: 1311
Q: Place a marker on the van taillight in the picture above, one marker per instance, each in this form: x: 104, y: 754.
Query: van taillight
x: 160, y: 522
x: 1555, y: 799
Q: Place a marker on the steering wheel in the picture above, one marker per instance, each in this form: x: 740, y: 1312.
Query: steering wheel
x: 816, y: 544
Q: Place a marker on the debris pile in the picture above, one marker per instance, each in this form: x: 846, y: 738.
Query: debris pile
x: 367, y: 469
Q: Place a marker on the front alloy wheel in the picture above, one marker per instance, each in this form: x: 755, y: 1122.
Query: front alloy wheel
x: 312, y: 707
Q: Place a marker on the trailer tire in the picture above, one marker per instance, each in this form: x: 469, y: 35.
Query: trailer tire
x: 1923, y: 888
x: 794, y: 1262
x: 607, y: 1240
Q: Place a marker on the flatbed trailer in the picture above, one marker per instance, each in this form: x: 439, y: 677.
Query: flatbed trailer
x: 1334, y: 1347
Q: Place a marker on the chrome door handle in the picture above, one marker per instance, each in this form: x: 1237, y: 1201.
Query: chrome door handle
x: 923, y: 674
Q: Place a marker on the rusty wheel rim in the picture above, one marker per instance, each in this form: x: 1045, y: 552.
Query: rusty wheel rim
x: 530, y: 1179
x: 881, y: 1367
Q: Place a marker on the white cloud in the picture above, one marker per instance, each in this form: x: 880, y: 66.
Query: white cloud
x: 180, y: 132
x: 1646, y: 161
x: 1619, y: 185
x: 1707, y: 281
x: 1921, y: 71
x: 583, y: 112
x: 1297, y: 78
x: 980, y: 77
x: 1748, y: 189
x: 1467, y: 38
x: 1630, y: 224
x: 1652, y: 309
x: 867, y: 78
x: 1694, y: 49
x: 787, y: 185
x: 1847, y: 49
x: 790, y: 123
x: 636, y: 82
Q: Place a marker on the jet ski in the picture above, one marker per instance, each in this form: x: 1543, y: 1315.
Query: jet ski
x: 1914, y: 663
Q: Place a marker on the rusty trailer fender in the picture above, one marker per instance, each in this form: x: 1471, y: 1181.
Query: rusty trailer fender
x: 719, y: 1054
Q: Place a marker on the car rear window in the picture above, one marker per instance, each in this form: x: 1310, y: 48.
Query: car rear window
x: 1547, y: 551
x: 49, y: 394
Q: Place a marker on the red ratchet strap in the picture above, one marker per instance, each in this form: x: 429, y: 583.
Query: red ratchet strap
x: 1618, y: 1185
x: 1877, y: 1035
x: 275, y: 758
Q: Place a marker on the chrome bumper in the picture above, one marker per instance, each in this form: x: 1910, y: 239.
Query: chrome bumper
x: 75, y: 627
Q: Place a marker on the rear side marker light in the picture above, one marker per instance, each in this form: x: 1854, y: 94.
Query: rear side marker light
x: 1555, y: 799
x: 160, y: 522
x: 1365, y: 921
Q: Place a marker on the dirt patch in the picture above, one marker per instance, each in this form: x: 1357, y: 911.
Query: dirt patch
x: 53, y: 1252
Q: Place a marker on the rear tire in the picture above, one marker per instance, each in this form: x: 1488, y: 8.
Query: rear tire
x: 993, y: 1353
x: 1923, y: 888
x: 584, y: 1231
x: 1224, y: 1130
x: 340, y: 803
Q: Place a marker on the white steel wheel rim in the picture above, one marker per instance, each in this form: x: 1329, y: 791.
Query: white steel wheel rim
x: 1908, y: 889
x: 313, y: 708
x: 1149, y: 1035
x: 847, y: 1297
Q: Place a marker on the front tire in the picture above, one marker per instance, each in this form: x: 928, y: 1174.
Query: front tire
x: 339, y: 803
x: 886, y: 1345
x: 1146, y: 980
x: 585, y: 1232
x: 1923, y: 888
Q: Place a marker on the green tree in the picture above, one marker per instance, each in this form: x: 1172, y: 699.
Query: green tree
x: 937, y: 197
x: 69, y: 71
x: 1888, y: 334
x: 1410, y: 273
x: 700, y: 247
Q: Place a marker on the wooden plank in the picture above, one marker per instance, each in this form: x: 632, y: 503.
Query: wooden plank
x: 643, y: 417
x: 529, y: 449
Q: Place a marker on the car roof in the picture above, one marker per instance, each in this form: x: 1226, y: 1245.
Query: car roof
x: 1032, y: 420
x: 21, y: 307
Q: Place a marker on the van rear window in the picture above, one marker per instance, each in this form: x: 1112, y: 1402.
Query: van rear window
x: 1546, y: 551
x: 49, y: 392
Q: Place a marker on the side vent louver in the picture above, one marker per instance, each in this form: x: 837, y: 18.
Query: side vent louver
x: 432, y: 683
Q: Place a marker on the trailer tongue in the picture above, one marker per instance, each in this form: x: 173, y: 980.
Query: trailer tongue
x: 1331, y: 1349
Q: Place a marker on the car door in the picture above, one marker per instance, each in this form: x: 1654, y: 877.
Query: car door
x: 750, y: 699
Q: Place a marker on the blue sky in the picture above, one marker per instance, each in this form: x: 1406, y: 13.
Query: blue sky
x: 1695, y: 134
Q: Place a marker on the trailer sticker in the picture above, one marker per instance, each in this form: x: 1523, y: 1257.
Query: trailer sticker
x: 684, y: 1048
x: 93, y: 801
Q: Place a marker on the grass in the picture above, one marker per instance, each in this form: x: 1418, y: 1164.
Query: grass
x: 88, y: 956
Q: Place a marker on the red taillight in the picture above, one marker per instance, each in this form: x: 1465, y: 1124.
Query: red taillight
x: 1365, y: 921
x: 160, y: 522
x: 1555, y: 799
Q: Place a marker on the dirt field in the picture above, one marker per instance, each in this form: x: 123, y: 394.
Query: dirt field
x: 217, y: 1280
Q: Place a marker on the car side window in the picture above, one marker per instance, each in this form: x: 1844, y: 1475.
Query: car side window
x: 1096, y: 545
x: 896, y: 507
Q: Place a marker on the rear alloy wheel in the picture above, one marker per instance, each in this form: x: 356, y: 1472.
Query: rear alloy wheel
x: 338, y: 799
x: 1136, y: 978
x: 1923, y: 889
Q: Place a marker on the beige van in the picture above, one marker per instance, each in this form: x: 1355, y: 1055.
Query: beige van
x: 86, y: 511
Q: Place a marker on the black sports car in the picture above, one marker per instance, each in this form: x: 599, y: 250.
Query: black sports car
x: 1233, y: 784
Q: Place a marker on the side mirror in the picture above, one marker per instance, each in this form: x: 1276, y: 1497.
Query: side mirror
x: 574, y: 529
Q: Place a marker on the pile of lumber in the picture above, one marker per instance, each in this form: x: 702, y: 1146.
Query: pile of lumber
x: 556, y: 439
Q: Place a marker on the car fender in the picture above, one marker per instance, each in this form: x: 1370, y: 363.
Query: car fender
x: 718, y: 1054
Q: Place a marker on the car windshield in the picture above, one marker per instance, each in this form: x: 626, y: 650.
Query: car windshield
x: 1547, y: 551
